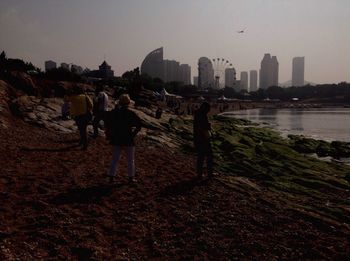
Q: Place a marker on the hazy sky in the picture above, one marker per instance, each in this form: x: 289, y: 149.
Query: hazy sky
x: 125, y: 31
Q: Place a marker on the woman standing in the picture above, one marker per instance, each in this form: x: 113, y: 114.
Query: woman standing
x: 125, y: 125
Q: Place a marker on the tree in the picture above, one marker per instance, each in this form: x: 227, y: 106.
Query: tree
x: 2, y: 56
x: 61, y: 74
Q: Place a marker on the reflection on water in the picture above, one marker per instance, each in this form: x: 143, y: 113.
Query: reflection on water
x: 321, y: 123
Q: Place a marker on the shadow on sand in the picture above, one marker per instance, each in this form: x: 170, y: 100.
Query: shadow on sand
x: 66, y: 148
x: 183, y: 187
x: 92, y: 194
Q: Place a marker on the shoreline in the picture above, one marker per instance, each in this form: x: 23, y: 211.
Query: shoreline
x: 279, y: 123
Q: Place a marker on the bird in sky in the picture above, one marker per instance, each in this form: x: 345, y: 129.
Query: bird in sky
x: 241, y: 31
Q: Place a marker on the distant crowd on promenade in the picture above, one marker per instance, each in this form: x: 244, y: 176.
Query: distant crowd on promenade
x: 189, y: 107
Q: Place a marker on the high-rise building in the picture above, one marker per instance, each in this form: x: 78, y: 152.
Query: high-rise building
x: 49, y: 65
x: 168, y: 70
x: 195, y: 81
x: 253, y: 81
x: 171, y: 71
x: 269, y: 71
x: 153, y: 64
x: 185, y: 74
x: 230, y: 77
x: 265, y: 72
x: 274, y: 71
x: 205, y: 73
x: 298, y: 71
x: 244, y: 81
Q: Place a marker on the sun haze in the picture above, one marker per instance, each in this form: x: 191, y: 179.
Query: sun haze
x: 125, y: 31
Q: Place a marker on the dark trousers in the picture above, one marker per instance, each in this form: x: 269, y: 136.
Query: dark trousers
x: 204, y: 151
x: 82, y: 122
x: 97, y: 118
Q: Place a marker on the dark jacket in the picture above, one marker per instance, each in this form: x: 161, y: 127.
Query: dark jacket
x: 125, y: 125
x: 201, y: 128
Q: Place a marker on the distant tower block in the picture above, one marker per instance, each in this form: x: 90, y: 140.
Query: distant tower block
x: 185, y: 74
x: 230, y: 77
x: 253, y: 80
x: 205, y: 73
x: 298, y: 71
x: 269, y: 71
x: 195, y: 81
x: 153, y: 64
x: 274, y: 71
x: 244, y: 81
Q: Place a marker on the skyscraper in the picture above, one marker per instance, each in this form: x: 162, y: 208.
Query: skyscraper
x: 269, y: 71
x: 274, y: 71
x: 205, y: 73
x: 298, y: 71
x: 244, y: 81
x: 185, y: 74
x: 153, y: 64
x: 230, y: 77
x: 195, y: 81
x: 168, y: 70
x: 171, y: 71
x: 253, y: 80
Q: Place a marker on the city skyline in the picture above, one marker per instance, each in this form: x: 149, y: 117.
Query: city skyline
x: 123, y: 32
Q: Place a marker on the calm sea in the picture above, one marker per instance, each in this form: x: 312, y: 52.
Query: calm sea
x: 325, y: 123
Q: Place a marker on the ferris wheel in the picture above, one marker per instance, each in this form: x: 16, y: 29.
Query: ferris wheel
x: 220, y: 65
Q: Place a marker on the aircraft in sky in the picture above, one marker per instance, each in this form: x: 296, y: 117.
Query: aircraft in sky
x: 241, y: 31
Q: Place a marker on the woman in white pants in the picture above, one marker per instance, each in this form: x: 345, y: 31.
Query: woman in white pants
x: 125, y: 125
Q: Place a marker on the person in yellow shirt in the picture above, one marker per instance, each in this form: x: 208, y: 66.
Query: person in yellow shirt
x: 80, y: 110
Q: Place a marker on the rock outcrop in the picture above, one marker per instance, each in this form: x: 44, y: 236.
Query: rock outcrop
x: 4, y: 104
x: 23, y: 82
x: 44, y: 112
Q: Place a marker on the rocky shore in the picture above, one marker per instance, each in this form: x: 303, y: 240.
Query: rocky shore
x: 268, y: 201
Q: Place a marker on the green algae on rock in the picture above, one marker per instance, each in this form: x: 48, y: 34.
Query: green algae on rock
x: 311, y: 187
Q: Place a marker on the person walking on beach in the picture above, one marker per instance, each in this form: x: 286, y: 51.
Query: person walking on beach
x: 80, y: 110
x: 202, y: 139
x: 100, y: 108
x: 125, y: 126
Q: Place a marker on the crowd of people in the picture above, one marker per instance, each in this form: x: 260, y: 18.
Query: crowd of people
x: 122, y: 125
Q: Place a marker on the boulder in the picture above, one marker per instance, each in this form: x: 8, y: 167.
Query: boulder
x: 144, y: 98
x: 23, y: 81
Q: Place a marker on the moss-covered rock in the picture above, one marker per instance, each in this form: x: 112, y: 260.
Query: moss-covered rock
x: 262, y: 156
x: 340, y: 149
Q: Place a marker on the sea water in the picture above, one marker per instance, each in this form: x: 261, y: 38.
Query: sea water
x: 329, y: 124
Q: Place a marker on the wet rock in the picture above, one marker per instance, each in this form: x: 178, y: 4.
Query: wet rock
x: 341, y: 149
